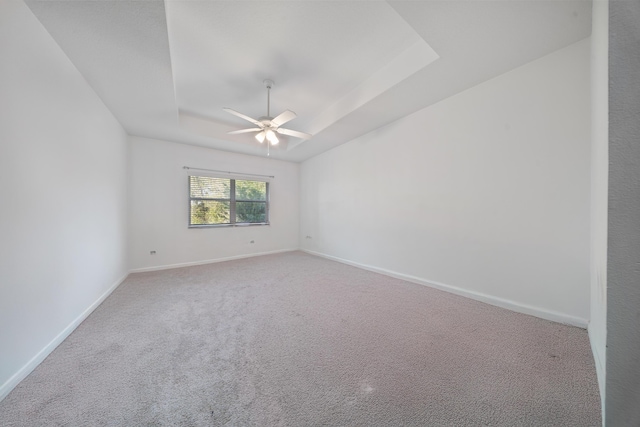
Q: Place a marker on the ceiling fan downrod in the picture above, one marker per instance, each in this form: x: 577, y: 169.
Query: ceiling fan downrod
x: 268, y: 83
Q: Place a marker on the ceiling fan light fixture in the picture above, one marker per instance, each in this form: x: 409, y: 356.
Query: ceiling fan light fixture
x: 271, y: 137
x: 260, y: 137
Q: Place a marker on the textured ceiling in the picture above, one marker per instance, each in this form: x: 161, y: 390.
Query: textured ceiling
x: 166, y: 69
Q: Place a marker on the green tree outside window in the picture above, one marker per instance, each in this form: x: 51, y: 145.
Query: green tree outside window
x: 217, y: 201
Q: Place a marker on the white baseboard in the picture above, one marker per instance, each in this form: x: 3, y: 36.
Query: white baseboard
x: 500, y: 302
x: 12, y: 382
x: 600, y: 370
x: 15, y: 379
x: 208, y: 261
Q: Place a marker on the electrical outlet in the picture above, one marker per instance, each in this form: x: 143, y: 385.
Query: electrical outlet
x: 152, y: 252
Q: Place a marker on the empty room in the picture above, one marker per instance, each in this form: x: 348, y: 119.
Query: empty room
x: 305, y: 213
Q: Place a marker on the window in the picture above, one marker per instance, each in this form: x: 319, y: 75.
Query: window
x: 224, y: 201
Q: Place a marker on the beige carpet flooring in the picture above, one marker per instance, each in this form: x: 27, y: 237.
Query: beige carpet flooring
x: 296, y: 340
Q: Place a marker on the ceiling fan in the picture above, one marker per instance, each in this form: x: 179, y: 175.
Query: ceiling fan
x: 268, y: 126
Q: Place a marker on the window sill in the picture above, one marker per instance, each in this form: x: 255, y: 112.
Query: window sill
x: 228, y: 225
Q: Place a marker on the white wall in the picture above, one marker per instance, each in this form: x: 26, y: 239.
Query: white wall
x: 599, y: 182
x: 487, y: 191
x: 63, y: 217
x: 160, y: 206
x: 623, y: 218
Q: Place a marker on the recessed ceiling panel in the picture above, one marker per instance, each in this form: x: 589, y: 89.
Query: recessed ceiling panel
x: 318, y: 53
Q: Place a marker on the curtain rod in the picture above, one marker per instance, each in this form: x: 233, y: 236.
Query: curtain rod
x: 233, y: 173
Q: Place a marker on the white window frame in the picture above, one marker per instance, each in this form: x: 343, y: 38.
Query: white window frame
x: 232, y: 202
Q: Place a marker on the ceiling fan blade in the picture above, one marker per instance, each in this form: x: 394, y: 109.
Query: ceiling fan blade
x: 242, y: 116
x: 236, y: 132
x: 283, y: 118
x: 294, y: 133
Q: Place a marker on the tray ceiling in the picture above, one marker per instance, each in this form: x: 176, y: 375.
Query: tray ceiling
x: 166, y: 69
